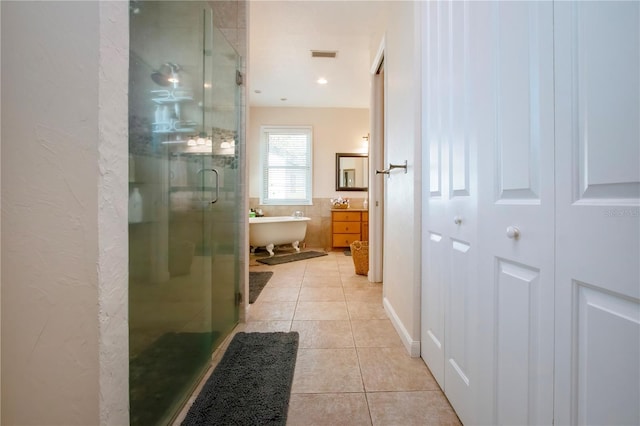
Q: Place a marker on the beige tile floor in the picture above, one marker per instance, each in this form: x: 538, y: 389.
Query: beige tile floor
x: 351, y: 368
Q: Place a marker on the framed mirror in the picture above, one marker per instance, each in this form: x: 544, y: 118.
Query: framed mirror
x: 352, y: 172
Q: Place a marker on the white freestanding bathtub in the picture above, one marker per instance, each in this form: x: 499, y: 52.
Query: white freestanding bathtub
x: 270, y: 231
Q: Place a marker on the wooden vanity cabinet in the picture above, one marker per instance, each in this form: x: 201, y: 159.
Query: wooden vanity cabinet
x: 348, y: 226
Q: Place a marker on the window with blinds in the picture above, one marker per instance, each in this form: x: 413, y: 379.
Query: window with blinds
x: 286, y: 166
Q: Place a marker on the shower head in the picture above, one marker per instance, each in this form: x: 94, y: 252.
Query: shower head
x: 167, y: 74
x: 160, y: 78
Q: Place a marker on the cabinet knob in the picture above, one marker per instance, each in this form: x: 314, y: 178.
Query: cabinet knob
x: 513, y: 232
x: 457, y: 220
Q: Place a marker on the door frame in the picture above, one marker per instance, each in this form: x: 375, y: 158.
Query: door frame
x: 376, y: 162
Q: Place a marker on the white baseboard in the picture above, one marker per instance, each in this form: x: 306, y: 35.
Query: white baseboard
x: 412, y: 346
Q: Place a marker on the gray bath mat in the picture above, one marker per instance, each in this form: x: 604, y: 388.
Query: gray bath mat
x: 252, y: 383
x: 257, y: 281
x: 277, y: 260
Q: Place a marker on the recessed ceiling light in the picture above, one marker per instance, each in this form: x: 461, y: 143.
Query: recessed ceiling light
x: 322, y: 80
x: 283, y: 99
x: 257, y: 91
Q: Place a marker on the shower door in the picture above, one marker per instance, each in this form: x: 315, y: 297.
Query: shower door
x: 184, y: 204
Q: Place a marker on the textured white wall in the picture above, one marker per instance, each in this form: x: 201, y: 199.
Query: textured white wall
x: 402, y: 142
x: 334, y: 130
x: 64, y: 274
x: 49, y: 178
x: 113, y: 238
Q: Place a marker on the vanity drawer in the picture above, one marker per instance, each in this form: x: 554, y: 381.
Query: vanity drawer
x: 346, y: 227
x: 346, y: 216
x: 344, y: 240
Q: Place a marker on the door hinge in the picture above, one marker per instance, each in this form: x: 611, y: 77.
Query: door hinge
x: 239, y: 78
x: 238, y: 298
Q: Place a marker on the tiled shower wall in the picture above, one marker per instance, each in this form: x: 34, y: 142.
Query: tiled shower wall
x: 230, y: 16
x: 319, y: 227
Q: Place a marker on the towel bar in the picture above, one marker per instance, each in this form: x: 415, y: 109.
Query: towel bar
x: 391, y: 167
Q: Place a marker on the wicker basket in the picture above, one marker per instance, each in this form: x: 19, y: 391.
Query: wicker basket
x: 341, y: 206
x: 360, y: 255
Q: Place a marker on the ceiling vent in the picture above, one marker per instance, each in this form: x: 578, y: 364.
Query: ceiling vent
x: 323, y: 53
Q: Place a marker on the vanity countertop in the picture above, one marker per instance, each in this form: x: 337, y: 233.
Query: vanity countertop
x: 350, y: 210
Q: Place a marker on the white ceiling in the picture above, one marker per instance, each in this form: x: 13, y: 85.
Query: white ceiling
x: 282, y: 35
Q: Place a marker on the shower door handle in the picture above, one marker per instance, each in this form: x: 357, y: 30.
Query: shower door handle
x: 217, y: 185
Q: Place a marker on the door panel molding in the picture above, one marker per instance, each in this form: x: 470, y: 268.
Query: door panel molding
x: 518, y: 78
x: 459, y: 347
x: 432, y: 349
x: 459, y: 93
x: 602, y: 53
x: 518, y: 339
x: 433, y: 119
x: 607, y: 325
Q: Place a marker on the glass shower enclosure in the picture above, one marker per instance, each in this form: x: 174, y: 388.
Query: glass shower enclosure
x: 184, y: 201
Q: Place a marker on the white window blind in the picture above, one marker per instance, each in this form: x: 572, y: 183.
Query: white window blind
x: 286, y: 166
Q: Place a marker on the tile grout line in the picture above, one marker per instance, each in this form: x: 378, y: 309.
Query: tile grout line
x: 353, y: 336
x: 366, y: 396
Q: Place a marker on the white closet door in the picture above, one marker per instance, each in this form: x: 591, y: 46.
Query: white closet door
x: 450, y: 286
x: 597, y: 71
x: 461, y: 360
x: 433, y: 200
x: 516, y: 212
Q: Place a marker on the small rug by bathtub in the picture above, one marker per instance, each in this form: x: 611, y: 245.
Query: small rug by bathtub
x: 257, y: 281
x: 277, y: 260
x: 252, y: 383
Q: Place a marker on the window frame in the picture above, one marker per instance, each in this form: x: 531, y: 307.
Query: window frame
x: 264, y: 166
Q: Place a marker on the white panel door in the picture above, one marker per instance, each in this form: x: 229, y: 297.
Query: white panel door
x: 516, y: 210
x: 449, y: 304
x: 434, y: 199
x: 597, y: 99
x: 461, y: 358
